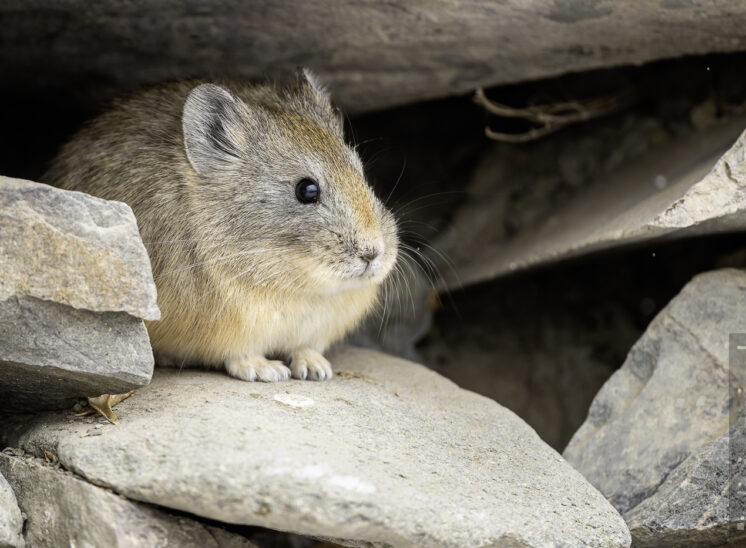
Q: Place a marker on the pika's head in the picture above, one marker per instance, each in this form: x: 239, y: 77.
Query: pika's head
x: 285, y: 192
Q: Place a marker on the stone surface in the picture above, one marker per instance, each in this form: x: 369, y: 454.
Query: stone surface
x: 514, y: 219
x: 74, y: 249
x: 655, y: 441
x: 11, y: 520
x: 373, y: 54
x: 75, y: 282
x: 388, y: 451
x: 52, y: 354
x: 698, y: 492
x: 62, y: 510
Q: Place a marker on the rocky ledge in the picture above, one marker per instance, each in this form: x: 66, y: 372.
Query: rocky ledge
x: 388, y: 452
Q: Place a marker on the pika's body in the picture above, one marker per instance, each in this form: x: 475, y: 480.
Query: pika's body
x: 267, y: 244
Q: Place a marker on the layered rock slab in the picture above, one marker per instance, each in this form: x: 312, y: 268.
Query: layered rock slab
x: 75, y: 287
x: 387, y: 452
x: 11, y: 520
x: 691, y: 186
x: 62, y: 510
x: 660, y: 434
x: 373, y: 54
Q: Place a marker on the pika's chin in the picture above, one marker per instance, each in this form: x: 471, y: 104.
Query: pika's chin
x: 349, y: 284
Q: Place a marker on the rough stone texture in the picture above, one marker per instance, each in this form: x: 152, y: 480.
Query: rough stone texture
x: 52, y: 354
x: 388, y: 451
x: 374, y: 54
x: 11, y: 520
x: 698, y: 491
x: 685, y: 187
x: 74, y: 249
x: 62, y: 510
x: 75, y: 280
x: 673, y: 389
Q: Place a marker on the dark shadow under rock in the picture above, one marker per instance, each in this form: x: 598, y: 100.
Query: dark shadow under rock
x: 543, y: 343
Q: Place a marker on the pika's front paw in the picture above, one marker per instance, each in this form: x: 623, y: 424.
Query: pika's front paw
x: 309, y: 364
x: 257, y: 368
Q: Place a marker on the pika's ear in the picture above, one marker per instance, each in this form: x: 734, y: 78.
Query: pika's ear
x: 211, y: 122
x: 309, y: 81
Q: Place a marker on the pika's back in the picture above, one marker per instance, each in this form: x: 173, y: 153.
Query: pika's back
x: 114, y: 154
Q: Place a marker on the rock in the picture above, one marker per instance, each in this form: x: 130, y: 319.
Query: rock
x: 373, y: 55
x: 69, y: 247
x: 62, y: 510
x: 677, y: 385
x: 387, y: 452
x: 52, y: 354
x: 11, y: 520
x: 700, y: 491
x: 75, y: 284
x: 520, y: 216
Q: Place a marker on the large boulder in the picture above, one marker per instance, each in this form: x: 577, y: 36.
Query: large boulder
x: 387, y: 452
x: 62, y: 510
x: 657, y: 438
x: 75, y: 287
x: 374, y: 54
x: 11, y: 520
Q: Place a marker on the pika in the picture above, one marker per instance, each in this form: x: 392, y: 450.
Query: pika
x: 266, y: 242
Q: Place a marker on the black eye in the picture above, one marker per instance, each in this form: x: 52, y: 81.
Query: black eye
x: 307, y: 191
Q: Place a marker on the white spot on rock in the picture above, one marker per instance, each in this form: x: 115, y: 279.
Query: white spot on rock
x: 351, y: 483
x: 294, y: 400
x: 324, y: 473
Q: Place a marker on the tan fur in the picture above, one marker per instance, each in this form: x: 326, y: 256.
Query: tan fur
x: 243, y: 271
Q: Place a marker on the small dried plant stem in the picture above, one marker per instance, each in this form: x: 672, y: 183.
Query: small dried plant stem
x: 551, y: 117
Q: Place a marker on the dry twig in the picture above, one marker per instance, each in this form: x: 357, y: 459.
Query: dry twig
x: 550, y: 117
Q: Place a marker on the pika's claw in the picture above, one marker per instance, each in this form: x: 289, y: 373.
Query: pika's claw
x: 309, y: 364
x: 257, y: 368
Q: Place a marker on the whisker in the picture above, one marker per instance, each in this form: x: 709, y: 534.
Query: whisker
x: 396, y: 184
x: 213, y: 261
x: 426, y: 197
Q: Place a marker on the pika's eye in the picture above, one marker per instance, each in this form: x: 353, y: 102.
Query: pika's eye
x: 307, y: 191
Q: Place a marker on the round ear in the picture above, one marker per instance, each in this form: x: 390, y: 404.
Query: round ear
x: 211, y: 123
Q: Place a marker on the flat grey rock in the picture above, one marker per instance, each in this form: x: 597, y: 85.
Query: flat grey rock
x: 73, y: 249
x: 62, y: 510
x: 11, y: 520
x: 690, y: 186
x: 387, y: 452
x: 374, y: 54
x: 656, y: 438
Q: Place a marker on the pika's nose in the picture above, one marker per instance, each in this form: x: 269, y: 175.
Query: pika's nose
x: 370, y: 254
